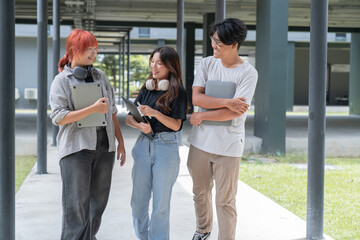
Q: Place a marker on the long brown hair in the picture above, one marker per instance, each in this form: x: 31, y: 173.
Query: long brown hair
x: 171, y: 60
x: 77, y: 43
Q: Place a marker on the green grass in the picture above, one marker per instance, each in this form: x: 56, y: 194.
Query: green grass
x: 252, y: 112
x: 286, y: 185
x: 23, y: 165
x: 327, y: 113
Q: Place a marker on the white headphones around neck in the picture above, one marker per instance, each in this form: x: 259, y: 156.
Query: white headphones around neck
x: 163, y: 84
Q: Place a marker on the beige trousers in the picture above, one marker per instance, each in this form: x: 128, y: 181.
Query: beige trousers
x: 204, y: 168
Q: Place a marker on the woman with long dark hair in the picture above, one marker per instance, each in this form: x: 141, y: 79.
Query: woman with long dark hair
x: 162, y: 99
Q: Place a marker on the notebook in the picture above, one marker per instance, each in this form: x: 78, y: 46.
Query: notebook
x: 133, y: 109
x: 84, y: 95
x: 219, y: 90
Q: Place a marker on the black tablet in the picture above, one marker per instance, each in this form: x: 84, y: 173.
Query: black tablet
x: 133, y: 109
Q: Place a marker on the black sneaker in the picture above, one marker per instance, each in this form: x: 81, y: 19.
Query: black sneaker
x: 201, y: 236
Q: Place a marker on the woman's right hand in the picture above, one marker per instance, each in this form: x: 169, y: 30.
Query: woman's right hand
x: 145, y: 127
x: 101, y: 105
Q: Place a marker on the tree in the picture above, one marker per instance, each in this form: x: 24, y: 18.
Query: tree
x: 109, y: 64
x: 139, y: 69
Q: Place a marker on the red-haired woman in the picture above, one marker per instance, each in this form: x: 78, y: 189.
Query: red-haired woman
x: 156, y: 160
x: 86, y: 154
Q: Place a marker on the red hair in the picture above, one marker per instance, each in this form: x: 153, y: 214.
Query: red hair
x: 77, y: 43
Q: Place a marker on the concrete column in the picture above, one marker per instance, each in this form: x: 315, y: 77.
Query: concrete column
x: 7, y: 120
x: 123, y: 69
x: 271, y: 63
x: 190, y: 59
x: 290, y: 77
x: 119, y: 88
x: 317, y: 118
x: 220, y: 10
x: 180, y: 30
x: 208, y: 19
x: 56, y: 53
x: 354, y: 85
x: 42, y: 100
x: 128, y: 67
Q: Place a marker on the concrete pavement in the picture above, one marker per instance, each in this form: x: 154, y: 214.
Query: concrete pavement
x: 38, y: 208
x: 38, y: 203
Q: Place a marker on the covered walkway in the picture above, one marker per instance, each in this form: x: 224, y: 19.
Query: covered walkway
x: 270, y: 120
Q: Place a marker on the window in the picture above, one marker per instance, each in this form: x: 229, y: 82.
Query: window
x: 144, y: 32
x: 341, y: 37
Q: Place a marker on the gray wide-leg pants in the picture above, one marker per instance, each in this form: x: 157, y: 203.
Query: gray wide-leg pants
x: 86, y: 178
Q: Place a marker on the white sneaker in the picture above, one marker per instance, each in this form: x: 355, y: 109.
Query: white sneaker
x: 201, y: 236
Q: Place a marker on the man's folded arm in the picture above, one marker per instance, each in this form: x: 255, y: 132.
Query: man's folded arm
x: 237, y: 105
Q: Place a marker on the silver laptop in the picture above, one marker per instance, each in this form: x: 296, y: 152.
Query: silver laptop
x: 84, y: 95
x: 219, y: 90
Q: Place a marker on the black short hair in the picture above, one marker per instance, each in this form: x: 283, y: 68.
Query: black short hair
x: 230, y: 31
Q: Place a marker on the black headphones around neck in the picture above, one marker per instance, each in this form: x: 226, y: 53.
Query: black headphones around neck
x: 81, y: 72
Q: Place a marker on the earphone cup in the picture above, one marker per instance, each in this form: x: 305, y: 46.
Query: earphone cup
x: 164, y: 85
x: 150, y: 84
x: 80, y: 73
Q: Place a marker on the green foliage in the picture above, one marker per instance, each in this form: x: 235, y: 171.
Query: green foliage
x: 286, y: 185
x: 139, y: 70
x: 23, y: 165
x: 109, y: 64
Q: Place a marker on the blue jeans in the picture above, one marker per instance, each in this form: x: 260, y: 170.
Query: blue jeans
x: 156, y: 167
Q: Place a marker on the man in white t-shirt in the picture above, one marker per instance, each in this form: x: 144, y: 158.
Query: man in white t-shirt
x: 216, y: 150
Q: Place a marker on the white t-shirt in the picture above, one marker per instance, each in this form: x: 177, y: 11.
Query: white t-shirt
x: 224, y: 140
